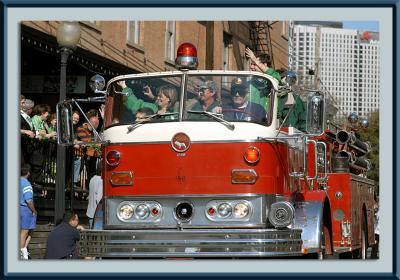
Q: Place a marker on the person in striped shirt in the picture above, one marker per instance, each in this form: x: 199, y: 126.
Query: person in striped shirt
x: 28, y: 212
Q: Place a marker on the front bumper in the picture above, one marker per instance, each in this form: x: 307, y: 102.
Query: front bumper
x: 199, y: 243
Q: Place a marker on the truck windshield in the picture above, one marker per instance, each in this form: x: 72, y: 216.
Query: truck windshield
x: 207, y: 97
x: 234, y: 97
x: 138, y: 99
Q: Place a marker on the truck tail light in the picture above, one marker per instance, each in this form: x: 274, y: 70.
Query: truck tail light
x: 244, y: 176
x: 113, y: 158
x: 121, y: 178
x: 252, y: 155
x: 211, y: 211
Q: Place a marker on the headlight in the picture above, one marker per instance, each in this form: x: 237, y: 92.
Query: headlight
x: 241, y: 210
x: 228, y: 210
x: 142, y: 211
x: 125, y: 211
x: 225, y: 210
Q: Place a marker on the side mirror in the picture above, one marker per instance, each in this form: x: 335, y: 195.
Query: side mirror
x: 290, y: 77
x: 65, y: 131
x: 97, y: 83
x: 315, y: 113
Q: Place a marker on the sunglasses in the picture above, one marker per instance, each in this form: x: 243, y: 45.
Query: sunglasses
x: 240, y: 91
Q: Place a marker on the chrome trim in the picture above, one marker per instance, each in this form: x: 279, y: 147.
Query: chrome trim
x: 325, y: 161
x: 241, y: 170
x: 198, y: 142
x: 191, y: 243
x: 308, y: 217
x: 211, y: 196
x: 119, y: 172
x: 199, y: 219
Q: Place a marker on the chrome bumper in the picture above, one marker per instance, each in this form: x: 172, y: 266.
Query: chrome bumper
x: 191, y: 243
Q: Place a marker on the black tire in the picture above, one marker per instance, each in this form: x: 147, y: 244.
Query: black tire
x: 361, y: 253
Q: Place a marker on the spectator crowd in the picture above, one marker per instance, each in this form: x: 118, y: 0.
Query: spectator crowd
x: 38, y: 130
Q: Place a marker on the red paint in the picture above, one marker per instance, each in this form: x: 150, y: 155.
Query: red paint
x: 205, y: 168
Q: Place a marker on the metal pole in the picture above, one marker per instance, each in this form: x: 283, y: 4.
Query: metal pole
x: 59, y: 207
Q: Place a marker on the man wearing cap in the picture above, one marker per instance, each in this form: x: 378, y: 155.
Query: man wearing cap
x: 242, y: 108
x: 208, y: 98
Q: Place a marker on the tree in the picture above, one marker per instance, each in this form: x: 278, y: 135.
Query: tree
x: 371, y: 134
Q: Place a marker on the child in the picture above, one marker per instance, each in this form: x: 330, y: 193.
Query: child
x: 28, y: 212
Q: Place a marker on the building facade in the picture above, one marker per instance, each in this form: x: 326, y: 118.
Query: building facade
x: 112, y: 48
x: 341, y: 62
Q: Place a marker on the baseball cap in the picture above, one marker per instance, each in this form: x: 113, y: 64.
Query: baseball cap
x: 208, y: 84
x: 239, y: 85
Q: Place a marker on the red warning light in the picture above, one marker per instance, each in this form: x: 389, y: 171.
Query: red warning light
x: 186, y: 57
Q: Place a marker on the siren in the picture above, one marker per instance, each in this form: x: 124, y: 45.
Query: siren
x: 186, y: 57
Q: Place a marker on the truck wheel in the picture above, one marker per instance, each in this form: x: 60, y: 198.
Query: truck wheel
x: 362, y: 252
x: 325, y: 243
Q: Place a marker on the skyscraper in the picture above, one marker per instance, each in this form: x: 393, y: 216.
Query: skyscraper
x: 342, y: 62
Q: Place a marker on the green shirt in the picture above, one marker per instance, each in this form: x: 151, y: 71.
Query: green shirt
x: 260, y: 89
x: 297, y: 117
x: 38, y: 123
x: 133, y: 103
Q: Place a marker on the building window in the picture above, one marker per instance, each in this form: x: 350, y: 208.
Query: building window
x: 133, y: 34
x: 170, y: 37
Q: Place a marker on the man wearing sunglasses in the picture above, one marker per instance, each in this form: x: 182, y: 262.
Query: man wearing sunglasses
x: 242, y: 108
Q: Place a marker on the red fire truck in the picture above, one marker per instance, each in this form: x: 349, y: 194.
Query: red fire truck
x: 190, y: 181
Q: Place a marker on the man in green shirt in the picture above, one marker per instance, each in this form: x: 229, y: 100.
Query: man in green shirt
x: 261, y: 89
x: 260, y: 93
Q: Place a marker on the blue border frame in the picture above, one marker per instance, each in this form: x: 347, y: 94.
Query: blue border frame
x: 393, y: 4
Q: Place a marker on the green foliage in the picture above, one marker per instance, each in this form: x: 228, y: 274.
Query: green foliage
x: 371, y: 134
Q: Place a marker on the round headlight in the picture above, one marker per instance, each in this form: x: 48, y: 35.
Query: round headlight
x: 125, y: 212
x: 142, y: 211
x: 241, y: 210
x: 224, y: 210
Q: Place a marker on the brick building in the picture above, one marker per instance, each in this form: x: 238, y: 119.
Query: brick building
x: 112, y: 48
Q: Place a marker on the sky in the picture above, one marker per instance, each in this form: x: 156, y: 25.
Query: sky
x: 362, y: 25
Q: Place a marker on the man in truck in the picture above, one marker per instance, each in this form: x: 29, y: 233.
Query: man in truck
x: 291, y: 111
x: 242, y: 108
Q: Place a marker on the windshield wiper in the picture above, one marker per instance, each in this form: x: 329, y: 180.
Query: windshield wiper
x: 214, y: 116
x: 148, y: 119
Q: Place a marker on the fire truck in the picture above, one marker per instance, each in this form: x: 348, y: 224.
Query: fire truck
x: 190, y: 182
